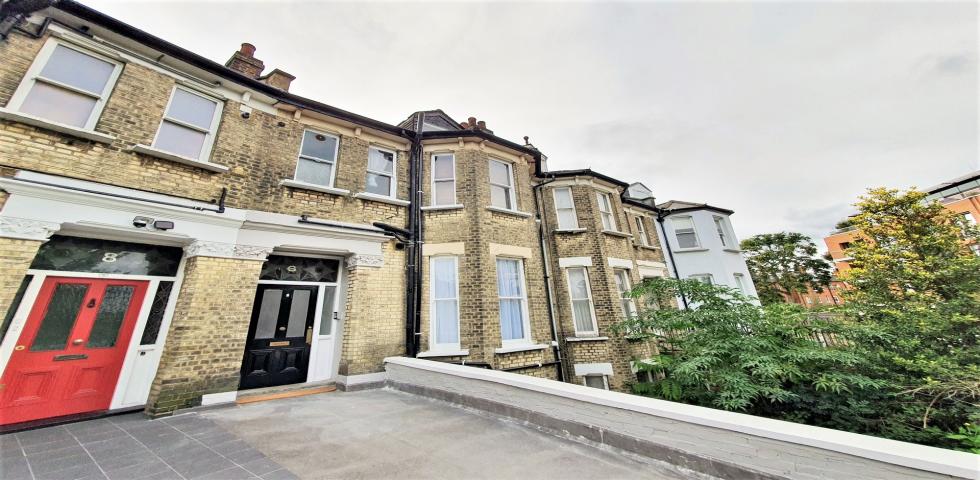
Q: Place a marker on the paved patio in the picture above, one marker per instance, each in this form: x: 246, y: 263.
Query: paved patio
x: 364, y: 435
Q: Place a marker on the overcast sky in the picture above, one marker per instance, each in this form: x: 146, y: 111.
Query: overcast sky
x: 784, y: 112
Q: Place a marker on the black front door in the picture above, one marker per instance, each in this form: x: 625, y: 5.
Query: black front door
x: 278, y: 347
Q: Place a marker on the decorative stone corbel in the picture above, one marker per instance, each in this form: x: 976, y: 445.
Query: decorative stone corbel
x: 201, y: 248
x: 356, y: 261
x: 27, y: 229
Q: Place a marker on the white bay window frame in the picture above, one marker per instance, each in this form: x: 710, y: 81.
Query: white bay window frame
x: 692, y: 230
x: 559, y: 209
x: 33, y: 76
x: 606, y: 211
x: 434, y: 345
x: 451, y: 180
x: 641, y: 231
x: 209, y: 134
x: 521, y: 298
x: 588, y: 297
x: 509, y: 188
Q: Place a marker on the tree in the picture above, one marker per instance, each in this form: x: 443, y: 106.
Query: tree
x: 915, y: 292
x: 731, y: 354
x: 784, y: 264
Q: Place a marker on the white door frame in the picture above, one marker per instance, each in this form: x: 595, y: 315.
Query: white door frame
x: 129, y: 391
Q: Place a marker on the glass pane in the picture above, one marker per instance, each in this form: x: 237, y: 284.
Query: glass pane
x: 620, y: 282
x: 157, y: 309
x: 563, y: 198
x: 682, y: 222
x: 378, y: 184
x: 687, y: 239
x: 298, y: 311
x: 381, y: 161
x: 566, y: 219
x: 444, y: 278
x: 75, y: 254
x: 193, y: 109
x: 310, y: 171
x: 14, y: 305
x: 71, y: 67
x: 603, y: 202
x: 110, y: 317
x: 60, y: 317
x: 511, y: 319
x: 577, y: 283
x: 58, y: 105
x: 445, y: 193
x: 499, y: 173
x: 180, y: 140
x: 447, y: 323
x: 582, y: 314
x: 326, y: 317
x: 443, y: 167
x: 508, y: 278
x: 303, y: 269
x: 595, y: 381
x: 500, y: 197
x: 265, y: 327
x: 607, y: 221
x: 319, y: 145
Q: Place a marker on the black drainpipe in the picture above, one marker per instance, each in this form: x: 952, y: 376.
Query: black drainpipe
x: 661, y: 216
x: 413, y: 273
x: 14, y: 12
x: 545, y: 267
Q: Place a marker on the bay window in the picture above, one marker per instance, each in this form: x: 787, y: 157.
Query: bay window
x: 444, y: 303
x: 514, y: 319
x: 443, y: 179
x: 583, y: 312
x: 565, y: 209
x: 687, y: 237
x: 381, y: 172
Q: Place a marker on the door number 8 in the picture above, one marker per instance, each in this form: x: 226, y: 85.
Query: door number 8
x: 110, y: 257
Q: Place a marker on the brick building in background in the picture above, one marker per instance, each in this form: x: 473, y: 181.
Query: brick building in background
x: 174, y: 231
x: 961, y: 195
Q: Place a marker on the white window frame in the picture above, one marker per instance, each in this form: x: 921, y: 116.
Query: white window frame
x: 393, y: 187
x: 641, y: 231
x: 571, y: 301
x: 209, y: 134
x: 571, y: 199
x: 432, y: 164
x: 333, y: 163
x: 511, y: 189
x: 721, y: 227
x: 605, y: 380
x: 740, y: 283
x: 33, y: 75
x: 699, y: 276
x: 694, y: 228
x: 627, y: 304
x: 525, y: 314
x: 605, y: 215
x: 433, y: 321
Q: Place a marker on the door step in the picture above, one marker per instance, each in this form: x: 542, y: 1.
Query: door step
x: 283, y: 391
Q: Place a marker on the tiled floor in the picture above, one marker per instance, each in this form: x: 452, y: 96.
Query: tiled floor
x: 130, y: 447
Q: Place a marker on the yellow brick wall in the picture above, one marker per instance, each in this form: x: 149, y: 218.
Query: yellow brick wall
x: 15, y: 257
x: 206, y: 341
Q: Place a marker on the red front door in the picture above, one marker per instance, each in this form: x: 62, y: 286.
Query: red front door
x: 71, y: 349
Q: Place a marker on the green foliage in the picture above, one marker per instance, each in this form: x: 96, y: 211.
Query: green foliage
x: 899, y: 359
x: 784, y: 264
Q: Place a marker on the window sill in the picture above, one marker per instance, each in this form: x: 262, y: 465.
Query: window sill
x: 586, y: 339
x: 153, y: 152
x: 690, y: 250
x: 733, y: 250
x: 314, y: 187
x: 647, y: 247
x: 436, y: 208
x: 90, y: 135
x: 373, y: 197
x: 520, y: 348
x: 509, y: 212
x: 617, y: 234
x: 569, y: 230
x: 443, y: 353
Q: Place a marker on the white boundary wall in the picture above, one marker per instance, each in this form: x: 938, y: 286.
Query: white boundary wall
x: 715, y: 442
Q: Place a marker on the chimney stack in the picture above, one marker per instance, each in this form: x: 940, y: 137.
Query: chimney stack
x: 243, y: 61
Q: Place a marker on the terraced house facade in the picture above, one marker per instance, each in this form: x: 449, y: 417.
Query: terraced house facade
x: 174, y: 231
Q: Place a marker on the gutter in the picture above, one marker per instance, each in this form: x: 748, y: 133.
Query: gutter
x: 546, y: 266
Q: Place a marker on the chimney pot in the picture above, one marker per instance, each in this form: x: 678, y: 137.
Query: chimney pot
x: 248, y: 50
x: 471, y: 121
x: 464, y: 125
x: 482, y: 125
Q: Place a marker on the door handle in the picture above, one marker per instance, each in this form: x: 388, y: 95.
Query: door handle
x: 77, y: 341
